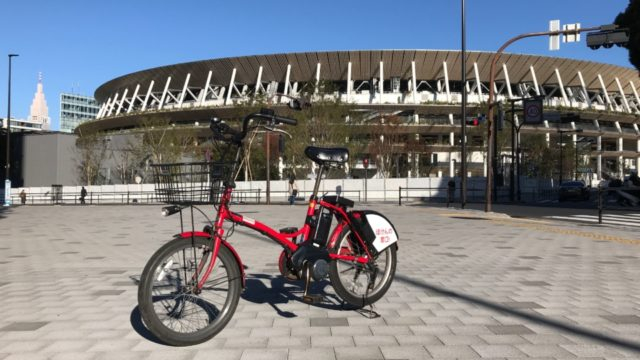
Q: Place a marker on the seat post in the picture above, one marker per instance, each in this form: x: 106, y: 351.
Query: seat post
x: 317, y: 184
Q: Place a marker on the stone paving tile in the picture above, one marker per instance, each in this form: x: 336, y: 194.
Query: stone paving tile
x: 311, y: 354
x: 408, y: 352
x: 506, y: 351
x: 358, y: 353
x: 265, y: 354
x: 451, y: 351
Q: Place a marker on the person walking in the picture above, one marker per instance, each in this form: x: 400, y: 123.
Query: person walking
x: 293, y: 190
x: 83, y: 194
x: 23, y: 197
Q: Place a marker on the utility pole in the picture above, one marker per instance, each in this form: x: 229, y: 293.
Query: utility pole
x: 492, y: 77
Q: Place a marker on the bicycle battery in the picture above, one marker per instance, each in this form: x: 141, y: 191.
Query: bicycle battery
x: 375, y: 229
x: 324, y: 218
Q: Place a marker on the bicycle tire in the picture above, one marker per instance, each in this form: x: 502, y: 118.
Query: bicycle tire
x: 345, y: 284
x: 166, y: 314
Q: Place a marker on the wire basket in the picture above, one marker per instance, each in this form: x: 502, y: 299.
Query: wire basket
x: 196, y: 183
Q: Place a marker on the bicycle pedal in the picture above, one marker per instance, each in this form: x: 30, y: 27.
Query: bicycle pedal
x: 312, y: 299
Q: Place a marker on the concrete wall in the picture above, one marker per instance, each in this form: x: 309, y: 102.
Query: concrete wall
x: 49, y: 159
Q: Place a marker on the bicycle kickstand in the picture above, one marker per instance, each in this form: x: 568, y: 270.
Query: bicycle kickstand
x: 306, y: 275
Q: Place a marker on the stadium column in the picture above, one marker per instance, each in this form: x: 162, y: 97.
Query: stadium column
x: 446, y: 81
x: 205, y: 90
x: 535, y: 80
x: 232, y: 83
x: 599, y: 162
x: 620, y: 157
x: 115, y: 100
x: 133, y: 98
x: 635, y: 94
x: 315, y: 91
x: 452, y: 140
x: 478, y: 83
x: 124, y: 96
x: 565, y: 100
x: 585, y: 93
x: 349, y: 82
x: 287, y: 80
x: 608, y: 104
x: 414, y: 89
x: 624, y: 98
x: 164, y: 93
x: 381, y: 82
x: 146, y: 98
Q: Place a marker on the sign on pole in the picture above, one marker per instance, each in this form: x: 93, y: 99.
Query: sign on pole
x: 533, y: 111
x: 575, y: 37
x: 554, y: 40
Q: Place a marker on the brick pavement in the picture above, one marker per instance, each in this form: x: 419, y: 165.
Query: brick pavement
x: 470, y: 285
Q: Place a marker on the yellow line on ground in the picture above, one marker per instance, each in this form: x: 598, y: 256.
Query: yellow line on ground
x: 544, y: 226
x: 557, y: 230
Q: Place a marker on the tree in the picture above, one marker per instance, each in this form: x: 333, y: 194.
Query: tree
x: 91, y: 152
x: 630, y: 18
x: 385, y: 141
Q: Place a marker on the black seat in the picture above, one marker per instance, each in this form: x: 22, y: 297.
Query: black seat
x: 332, y: 157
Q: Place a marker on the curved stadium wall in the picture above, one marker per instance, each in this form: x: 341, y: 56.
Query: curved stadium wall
x: 423, y: 85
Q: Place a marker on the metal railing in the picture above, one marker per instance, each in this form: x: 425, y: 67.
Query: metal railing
x: 110, y: 198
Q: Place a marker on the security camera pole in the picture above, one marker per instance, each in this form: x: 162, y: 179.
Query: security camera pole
x: 490, y: 133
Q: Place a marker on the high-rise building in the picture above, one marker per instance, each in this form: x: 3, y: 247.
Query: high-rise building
x: 39, y: 112
x: 76, y: 109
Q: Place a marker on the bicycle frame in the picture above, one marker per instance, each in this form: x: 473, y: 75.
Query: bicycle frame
x: 284, y: 239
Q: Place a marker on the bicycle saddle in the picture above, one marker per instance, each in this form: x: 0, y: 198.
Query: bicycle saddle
x: 327, y: 156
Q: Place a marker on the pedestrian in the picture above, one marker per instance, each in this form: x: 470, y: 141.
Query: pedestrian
x: 293, y: 189
x: 23, y: 197
x: 83, y: 194
x: 451, y: 185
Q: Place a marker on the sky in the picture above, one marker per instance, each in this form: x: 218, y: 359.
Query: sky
x: 79, y: 45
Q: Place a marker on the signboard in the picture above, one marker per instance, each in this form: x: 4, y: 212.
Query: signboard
x: 533, y: 111
x: 554, y: 40
x: 575, y: 37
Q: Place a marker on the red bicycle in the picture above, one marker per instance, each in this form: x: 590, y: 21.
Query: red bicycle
x: 190, y: 287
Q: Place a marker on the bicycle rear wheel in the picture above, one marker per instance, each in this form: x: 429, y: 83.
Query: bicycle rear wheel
x: 172, y: 307
x: 360, y: 284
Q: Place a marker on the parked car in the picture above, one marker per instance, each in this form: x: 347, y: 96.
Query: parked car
x: 573, y: 190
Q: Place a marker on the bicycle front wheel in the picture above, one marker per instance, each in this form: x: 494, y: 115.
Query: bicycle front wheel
x: 170, y: 304
x: 360, y: 284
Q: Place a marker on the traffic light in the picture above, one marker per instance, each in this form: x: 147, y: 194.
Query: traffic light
x: 608, y: 36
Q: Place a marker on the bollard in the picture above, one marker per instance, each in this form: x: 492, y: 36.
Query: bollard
x: 400, y: 196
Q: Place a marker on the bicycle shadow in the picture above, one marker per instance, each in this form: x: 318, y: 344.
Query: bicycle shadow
x: 138, y: 326
x: 281, y: 291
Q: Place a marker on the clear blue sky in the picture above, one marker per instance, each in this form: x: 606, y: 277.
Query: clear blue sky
x: 79, y: 45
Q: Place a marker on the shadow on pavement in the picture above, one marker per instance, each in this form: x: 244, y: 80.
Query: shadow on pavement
x: 282, y: 291
x: 538, y: 319
x: 141, y: 329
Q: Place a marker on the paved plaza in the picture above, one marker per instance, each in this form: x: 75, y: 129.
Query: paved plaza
x: 469, y: 285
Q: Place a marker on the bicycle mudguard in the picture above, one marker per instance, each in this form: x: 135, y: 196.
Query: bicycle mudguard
x: 374, y: 228
x: 188, y: 234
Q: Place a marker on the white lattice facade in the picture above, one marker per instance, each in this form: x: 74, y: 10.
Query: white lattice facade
x: 427, y: 82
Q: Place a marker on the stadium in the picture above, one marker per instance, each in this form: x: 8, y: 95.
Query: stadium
x: 592, y: 103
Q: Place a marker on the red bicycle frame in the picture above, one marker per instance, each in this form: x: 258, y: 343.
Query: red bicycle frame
x: 284, y: 239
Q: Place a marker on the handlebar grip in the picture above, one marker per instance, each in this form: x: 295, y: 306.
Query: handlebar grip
x: 170, y: 210
x: 285, y: 120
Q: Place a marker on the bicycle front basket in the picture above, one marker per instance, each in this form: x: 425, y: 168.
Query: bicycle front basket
x: 193, y: 183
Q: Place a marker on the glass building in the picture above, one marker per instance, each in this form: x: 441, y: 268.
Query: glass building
x: 76, y: 109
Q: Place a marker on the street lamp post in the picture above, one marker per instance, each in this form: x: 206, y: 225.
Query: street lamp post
x: 7, y: 181
x: 562, y: 132
x: 463, y: 165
